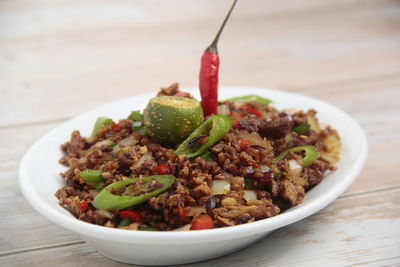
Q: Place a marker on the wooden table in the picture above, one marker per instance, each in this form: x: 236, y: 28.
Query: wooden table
x: 61, y: 58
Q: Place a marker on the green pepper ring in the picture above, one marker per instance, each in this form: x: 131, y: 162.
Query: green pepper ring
x: 250, y: 98
x: 310, y: 151
x: 217, y: 125
x: 108, y: 201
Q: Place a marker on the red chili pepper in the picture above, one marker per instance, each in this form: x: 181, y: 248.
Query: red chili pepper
x: 115, y: 127
x: 202, y: 222
x: 209, y: 82
x: 83, y: 206
x: 182, y: 212
x: 132, y: 215
x: 163, y: 169
x: 253, y: 111
x: 244, y: 143
x: 208, y: 77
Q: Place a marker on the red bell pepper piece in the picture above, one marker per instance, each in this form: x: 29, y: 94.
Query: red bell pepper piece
x: 163, y: 169
x: 202, y: 222
x: 253, y: 111
x: 83, y: 206
x: 182, y: 212
x: 244, y: 143
x: 132, y: 215
x: 115, y: 127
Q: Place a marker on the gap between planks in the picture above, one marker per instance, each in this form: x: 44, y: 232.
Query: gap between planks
x: 67, y: 244
x: 19, y: 251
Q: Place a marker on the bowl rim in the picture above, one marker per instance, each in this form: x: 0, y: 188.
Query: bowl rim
x: 171, y: 237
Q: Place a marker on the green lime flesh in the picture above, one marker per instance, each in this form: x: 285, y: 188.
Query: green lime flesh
x: 170, y: 119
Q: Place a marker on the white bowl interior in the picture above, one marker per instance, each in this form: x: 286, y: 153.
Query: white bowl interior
x: 39, y: 170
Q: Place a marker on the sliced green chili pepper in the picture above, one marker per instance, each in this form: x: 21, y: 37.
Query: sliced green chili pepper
x: 301, y: 129
x: 213, y: 129
x: 136, y: 116
x: 100, y: 123
x: 93, y: 178
x: 125, y: 222
x: 108, y: 201
x: 208, y: 156
x: 248, y: 184
x: 310, y: 151
x: 146, y: 229
x: 137, y: 125
x: 138, y: 122
x: 250, y: 98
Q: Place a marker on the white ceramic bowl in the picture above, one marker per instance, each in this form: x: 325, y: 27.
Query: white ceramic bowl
x: 39, y: 180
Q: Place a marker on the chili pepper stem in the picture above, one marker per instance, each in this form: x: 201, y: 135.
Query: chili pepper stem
x: 213, y: 46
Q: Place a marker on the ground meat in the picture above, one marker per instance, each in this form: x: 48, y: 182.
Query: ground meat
x: 73, y: 147
x: 170, y: 90
x: 242, y: 214
x: 277, y: 128
x: 292, y: 192
x: 249, y: 123
x: 245, y: 156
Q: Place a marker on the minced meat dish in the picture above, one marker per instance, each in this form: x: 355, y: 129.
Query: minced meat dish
x: 169, y: 168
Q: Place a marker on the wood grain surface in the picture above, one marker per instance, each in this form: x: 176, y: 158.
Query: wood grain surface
x: 61, y: 58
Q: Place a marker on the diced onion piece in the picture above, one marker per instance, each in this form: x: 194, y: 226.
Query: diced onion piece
x: 91, y: 139
x: 124, y: 143
x: 105, y: 213
x: 229, y: 201
x: 220, y: 187
x: 223, y: 109
x: 333, y: 149
x: 313, y: 123
x: 323, y: 126
x: 116, y: 149
x: 84, y: 153
x: 196, y: 211
x: 183, y: 228
x: 146, y: 156
x: 103, y: 143
x: 249, y: 170
x: 294, y: 168
x: 264, y: 168
x: 129, y: 141
x: 290, y: 111
x: 250, y: 195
